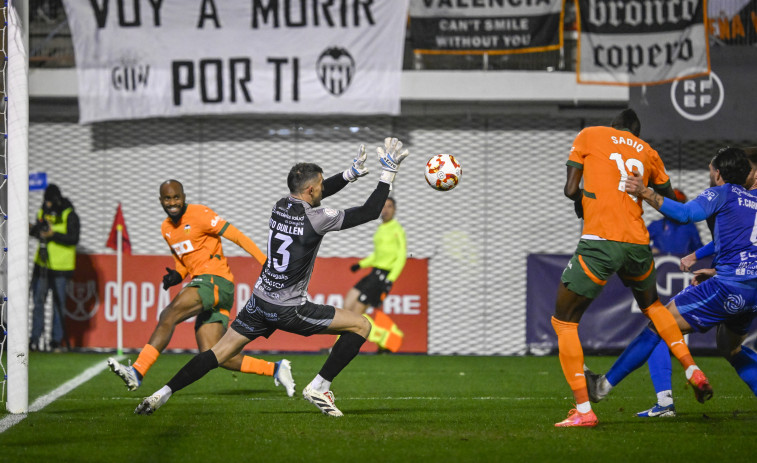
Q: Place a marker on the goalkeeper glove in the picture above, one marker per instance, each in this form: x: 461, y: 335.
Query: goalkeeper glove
x: 354, y: 267
x: 172, y: 278
x: 358, y: 168
x: 390, y: 156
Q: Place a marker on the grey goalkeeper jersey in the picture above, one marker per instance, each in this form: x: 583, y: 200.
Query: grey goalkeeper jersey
x: 295, y: 231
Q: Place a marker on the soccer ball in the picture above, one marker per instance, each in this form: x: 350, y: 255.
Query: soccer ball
x: 443, y: 172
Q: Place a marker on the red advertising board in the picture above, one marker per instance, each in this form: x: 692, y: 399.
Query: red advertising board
x: 91, y: 311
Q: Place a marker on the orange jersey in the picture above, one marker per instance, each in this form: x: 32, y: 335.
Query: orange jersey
x: 607, y: 157
x: 196, y: 242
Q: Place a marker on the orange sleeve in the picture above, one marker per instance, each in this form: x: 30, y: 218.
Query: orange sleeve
x: 233, y: 234
x: 659, y: 176
x: 578, y: 150
x: 179, y: 266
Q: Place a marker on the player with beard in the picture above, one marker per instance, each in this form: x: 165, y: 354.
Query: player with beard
x: 279, y: 300
x: 193, y: 232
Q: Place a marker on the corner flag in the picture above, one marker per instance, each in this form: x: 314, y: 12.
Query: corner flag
x: 119, y: 220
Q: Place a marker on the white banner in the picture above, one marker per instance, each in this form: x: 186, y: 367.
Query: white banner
x: 641, y: 42
x: 138, y: 59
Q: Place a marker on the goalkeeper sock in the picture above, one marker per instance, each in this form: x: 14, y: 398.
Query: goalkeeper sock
x: 745, y: 363
x: 146, y: 358
x: 633, y: 356
x: 571, y: 358
x: 668, y: 330
x: 345, y: 349
x: 257, y: 366
x: 193, y: 370
x: 320, y: 384
x: 661, y: 368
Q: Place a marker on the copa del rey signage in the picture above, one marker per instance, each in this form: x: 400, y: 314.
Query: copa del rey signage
x: 91, y: 317
x: 138, y: 59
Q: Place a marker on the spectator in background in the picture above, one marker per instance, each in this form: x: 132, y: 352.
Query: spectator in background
x: 670, y: 237
x: 57, y: 229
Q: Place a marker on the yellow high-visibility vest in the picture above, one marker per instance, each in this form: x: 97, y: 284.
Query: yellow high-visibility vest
x: 61, y: 257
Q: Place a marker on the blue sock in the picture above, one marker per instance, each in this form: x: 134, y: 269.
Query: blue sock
x: 661, y: 368
x: 745, y: 363
x: 635, y: 355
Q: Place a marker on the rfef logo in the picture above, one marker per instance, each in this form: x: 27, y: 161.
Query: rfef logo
x: 698, y: 98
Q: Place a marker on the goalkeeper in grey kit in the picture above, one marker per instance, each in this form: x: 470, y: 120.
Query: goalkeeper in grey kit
x: 279, y: 299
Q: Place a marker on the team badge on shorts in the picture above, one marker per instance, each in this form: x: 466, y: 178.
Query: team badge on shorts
x: 734, y: 303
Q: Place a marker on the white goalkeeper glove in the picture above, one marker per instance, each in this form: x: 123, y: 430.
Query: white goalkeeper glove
x: 358, y: 168
x: 390, y: 156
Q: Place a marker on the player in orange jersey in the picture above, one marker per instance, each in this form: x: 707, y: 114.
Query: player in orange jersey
x: 614, y: 240
x: 193, y: 232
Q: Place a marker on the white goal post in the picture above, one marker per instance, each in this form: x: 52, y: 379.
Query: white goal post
x: 17, y: 157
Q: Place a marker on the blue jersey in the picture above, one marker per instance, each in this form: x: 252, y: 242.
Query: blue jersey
x: 734, y: 209
x: 671, y: 237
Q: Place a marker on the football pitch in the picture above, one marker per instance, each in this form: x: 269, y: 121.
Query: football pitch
x: 398, y: 408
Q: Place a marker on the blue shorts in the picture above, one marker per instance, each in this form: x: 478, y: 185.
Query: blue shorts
x: 715, y: 301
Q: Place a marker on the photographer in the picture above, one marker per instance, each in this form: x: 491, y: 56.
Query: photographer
x: 57, y: 229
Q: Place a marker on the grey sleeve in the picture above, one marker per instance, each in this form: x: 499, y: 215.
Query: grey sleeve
x: 326, y: 219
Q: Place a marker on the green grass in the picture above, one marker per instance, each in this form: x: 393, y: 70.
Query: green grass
x: 397, y: 408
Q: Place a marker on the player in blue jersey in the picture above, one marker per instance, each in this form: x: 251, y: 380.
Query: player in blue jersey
x: 667, y: 236
x: 727, y: 299
x: 660, y: 366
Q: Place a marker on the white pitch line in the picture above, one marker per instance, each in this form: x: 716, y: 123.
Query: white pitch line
x: 11, y: 420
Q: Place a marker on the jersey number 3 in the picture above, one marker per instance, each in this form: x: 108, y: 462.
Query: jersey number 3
x: 280, y: 261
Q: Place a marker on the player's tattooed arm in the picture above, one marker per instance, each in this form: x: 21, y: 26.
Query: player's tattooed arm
x: 652, y: 198
x: 635, y: 186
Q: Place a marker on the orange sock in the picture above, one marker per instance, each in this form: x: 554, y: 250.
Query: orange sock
x: 146, y: 358
x: 668, y: 330
x: 257, y: 366
x: 571, y: 358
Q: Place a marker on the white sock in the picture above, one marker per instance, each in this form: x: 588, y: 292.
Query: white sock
x: 604, y: 386
x: 584, y: 407
x: 665, y: 398
x: 320, y: 384
x: 164, y: 391
x: 690, y: 371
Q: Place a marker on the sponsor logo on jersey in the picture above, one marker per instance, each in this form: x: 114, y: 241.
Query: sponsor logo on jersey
x: 330, y: 212
x: 709, y: 194
x: 215, y: 221
x: 183, y: 247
